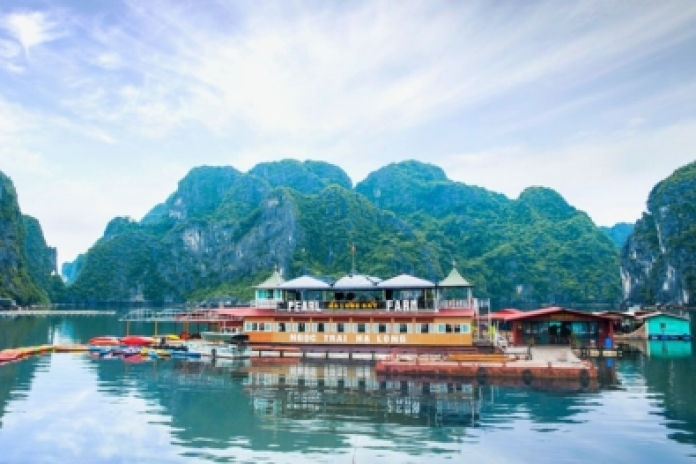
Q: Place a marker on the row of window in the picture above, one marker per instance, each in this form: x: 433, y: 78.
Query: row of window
x: 360, y: 327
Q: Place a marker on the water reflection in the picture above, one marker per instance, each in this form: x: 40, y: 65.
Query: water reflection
x: 69, y: 407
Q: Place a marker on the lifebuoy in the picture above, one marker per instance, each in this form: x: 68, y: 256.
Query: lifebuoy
x: 527, y: 376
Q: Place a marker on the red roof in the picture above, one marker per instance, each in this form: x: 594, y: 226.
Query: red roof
x: 252, y: 312
x: 553, y: 310
x: 504, y: 314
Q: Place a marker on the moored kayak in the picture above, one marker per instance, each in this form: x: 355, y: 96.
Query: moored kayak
x: 105, y: 340
x: 9, y: 355
x: 137, y: 340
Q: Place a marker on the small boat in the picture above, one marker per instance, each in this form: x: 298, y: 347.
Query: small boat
x: 9, y: 356
x: 137, y: 340
x: 104, y: 340
x: 155, y: 353
x: 218, y: 350
x: 179, y: 354
x: 100, y: 350
x: 225, y: 335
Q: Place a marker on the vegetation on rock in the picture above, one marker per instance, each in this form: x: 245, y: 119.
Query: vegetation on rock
x: 223, y: 231
x: 16, y: 271
x: 658, y: 261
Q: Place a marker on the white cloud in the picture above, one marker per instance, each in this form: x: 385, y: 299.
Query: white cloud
x: 109, y: 60
x: 371, y: 69
x: 30, y: 28
x: 609, y: 177
x: 522, y: 93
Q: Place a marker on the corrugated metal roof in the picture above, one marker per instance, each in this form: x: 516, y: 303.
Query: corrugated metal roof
x: 405, y: 281
x: 358, y: 281
x: 454, y: 279
x: 552, y: 310
x: 304, y: 283
x: 673, y: 316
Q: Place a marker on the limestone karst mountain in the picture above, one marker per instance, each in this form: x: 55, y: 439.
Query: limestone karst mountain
x: 223, y: 230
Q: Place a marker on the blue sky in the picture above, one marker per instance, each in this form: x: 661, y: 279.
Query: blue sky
x: 105, y: 105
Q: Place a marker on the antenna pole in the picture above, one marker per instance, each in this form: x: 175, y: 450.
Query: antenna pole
x: 352, y: 253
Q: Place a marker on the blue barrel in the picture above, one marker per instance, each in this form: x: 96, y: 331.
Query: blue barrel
x: 607, y: 343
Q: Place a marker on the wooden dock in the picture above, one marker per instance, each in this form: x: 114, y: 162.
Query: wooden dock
x: 54, y: 313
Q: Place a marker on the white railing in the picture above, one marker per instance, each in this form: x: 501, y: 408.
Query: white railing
x: 456, y: 304
x: 265, y: 304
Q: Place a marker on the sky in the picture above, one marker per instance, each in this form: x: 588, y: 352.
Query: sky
x: 106, y: 105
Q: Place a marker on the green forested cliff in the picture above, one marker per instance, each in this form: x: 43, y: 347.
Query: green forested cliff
x: 16, y: 279
x: 41, y: 260
x: 223, y: 231
x: 658, y: 261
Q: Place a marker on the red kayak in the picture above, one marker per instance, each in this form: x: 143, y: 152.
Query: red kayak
x: 137, y: 340
x: 105, y: 340
x: 8, y: 356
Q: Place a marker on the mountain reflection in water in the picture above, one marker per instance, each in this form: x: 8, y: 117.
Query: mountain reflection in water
x: 71, y: 408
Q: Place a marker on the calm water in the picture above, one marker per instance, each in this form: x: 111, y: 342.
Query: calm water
x: 71, y: 408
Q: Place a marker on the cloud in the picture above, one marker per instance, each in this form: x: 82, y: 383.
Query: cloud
x: 109, y: 60
x: 366, y: 70
x: 608, y: 176
x: 503, y: 95
x: 30, y: 28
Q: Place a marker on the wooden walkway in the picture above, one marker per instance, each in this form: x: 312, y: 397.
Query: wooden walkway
x: 54, y: 312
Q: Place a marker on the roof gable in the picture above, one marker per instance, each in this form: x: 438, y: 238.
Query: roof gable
x: 454, y: 279
x: 272, y: 282
x: 671, y: 316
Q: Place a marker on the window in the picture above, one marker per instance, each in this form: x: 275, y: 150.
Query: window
x: 282, y: 327
x: 340, y: 327
x: 403, y: 328
x: 441, y: 328
x: 361, y: 327
x: 261, y: 326
x: 302, y: 327
x: 457, y: 328
x: 268, y: 326
x: 466, y: 328
x: 321, y: 327
x: 423, y: 328
x: 247, y: 326
x: 382, y: 328
x: 254, y: 326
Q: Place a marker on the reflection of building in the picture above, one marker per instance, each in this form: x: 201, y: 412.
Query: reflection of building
x: 314, y: 391
x: 668, y: 348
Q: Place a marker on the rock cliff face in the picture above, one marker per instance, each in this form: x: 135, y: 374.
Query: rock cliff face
x: 223, y: 231
x: 41, y: 259
x: 658, y: 261
x: 16, y: 271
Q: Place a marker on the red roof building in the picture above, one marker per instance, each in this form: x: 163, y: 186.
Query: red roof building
x: 560, y: 326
